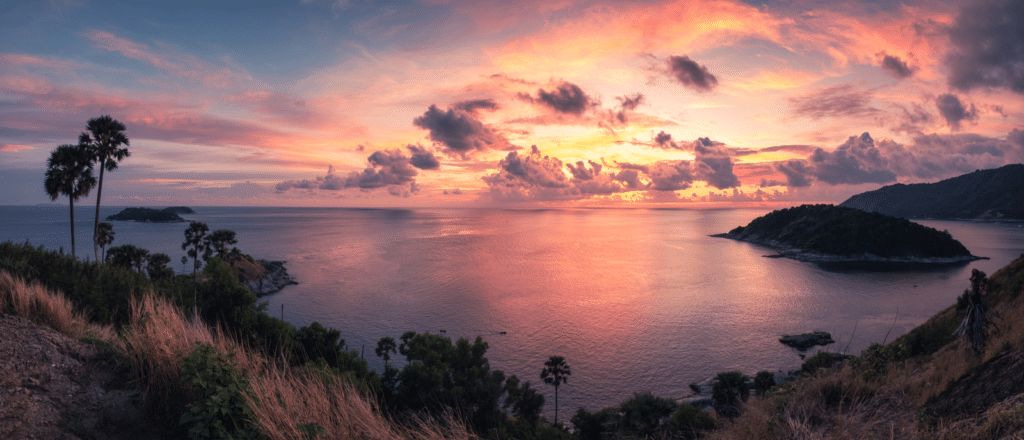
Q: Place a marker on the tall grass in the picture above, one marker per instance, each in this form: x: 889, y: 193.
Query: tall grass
x: 45, y: 307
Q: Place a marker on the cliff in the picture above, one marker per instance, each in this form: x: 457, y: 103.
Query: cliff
x: 832, y: 234
x: 262, y: 277
x: 983, y: 195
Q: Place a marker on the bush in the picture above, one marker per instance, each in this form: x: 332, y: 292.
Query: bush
x: 727, y: 391
x: 593, y: 426
x: 220, y: 411
x: 645, y: 415
x: 690, y: 421
x: 764, y: 381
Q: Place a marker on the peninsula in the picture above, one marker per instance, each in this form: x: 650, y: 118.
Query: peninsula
x: 982, y: 195
x: 834, y: 234
x: 150, y: 215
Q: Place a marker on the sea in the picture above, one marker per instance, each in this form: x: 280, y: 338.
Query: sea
x: 635, y: 299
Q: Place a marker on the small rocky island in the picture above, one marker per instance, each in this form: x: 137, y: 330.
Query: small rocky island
x: 150, y: 215
x: 833, y: 234
x: 262, y: 277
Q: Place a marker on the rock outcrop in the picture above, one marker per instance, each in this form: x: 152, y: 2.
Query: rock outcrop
x: 55, y: 387
x: 807, y: 340
x: 261, y: 276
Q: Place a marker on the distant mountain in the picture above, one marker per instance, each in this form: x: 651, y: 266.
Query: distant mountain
x: 832, y: 234
x: 986, y: 194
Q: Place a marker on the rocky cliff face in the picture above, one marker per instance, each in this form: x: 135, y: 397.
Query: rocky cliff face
x: 270, y: 278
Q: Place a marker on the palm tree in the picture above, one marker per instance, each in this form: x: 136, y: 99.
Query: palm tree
x: 104, y: 237
x: 217, y: 243
x: 69, y: 173
x: 104, y: 147
x: 385, y: 347
x: 195, y: 237
x: 555, y: 372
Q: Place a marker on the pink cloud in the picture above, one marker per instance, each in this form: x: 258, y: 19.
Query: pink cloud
x: 14, y: 148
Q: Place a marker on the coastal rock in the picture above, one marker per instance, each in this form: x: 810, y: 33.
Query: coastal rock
x: 807, y: 340
x: 270, y: 277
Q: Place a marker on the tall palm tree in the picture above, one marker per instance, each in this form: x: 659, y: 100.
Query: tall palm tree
x: 195, y: 237
x: 385, y: 347
x: 104, y: 237
x: 107, y: 137
x: 555, y: 372
x: 69, y: 173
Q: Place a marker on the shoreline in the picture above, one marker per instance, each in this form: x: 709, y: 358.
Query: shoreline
x: 784, y: 251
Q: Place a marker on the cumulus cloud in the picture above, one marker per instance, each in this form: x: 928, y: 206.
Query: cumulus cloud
x: 953, y: 111
x: 567, y: 98
x: 691, y: 74
x: 423, y: 158
x: 664, y: 140
x: 987, y: 46
x: 389, y: 168
x: 896, y: 67
x: 712, y: 163
x: 459, y: 132
x: 930, y: 157
x: 626, y: 104
x: 842, y: 101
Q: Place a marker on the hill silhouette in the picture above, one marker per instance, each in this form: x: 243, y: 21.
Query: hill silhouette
x: 985, y: 195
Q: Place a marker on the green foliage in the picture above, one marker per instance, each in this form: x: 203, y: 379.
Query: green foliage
x: 593, y: 426
x: 385, y: 347
x: 220, y: 410
x: 157, y: 268
x: 820, y: 360
x: 524, y: 401
x: 690, y: 421
x: 555, y: 372
x: 764, y: 381
x: 69, y: 173
x: 874, y: 361
x: 128, y: 256
x: 728, y: 389
x: 644, y: 415
x: 217, y: 243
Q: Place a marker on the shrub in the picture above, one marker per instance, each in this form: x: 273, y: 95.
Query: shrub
x: 764, y: 381
x: 645, y: 415
x: 727, y: 391
x: 690, y: 421
x: 221, y: 410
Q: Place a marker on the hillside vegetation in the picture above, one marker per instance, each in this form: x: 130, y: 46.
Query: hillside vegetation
x: 827, y: 230
x: 985, y: 194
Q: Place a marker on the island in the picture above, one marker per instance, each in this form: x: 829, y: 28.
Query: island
x: 148, y: 215
x: 996, y: 194
x: 262, y: 277
x: 179, y: 210
x: 834, y: 234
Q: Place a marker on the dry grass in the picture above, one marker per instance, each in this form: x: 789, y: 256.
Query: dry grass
x: 45, y: 307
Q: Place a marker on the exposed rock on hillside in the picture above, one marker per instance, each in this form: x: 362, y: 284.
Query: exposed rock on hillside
x: 985, y: 195
x: 807, y: 340
x: 54, y: 387
x: 833, y: 234
x: 261, y: 276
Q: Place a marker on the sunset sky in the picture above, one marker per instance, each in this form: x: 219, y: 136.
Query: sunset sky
x: 514, y: 103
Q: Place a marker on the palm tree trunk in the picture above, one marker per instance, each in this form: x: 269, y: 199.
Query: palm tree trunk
x: 72, y: 200
x: 96, y: 224
x: 556, y: 405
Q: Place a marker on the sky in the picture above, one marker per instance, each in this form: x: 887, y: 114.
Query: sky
x: 437, y: 103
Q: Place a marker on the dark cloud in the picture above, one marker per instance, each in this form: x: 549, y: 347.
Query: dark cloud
x: 388, y: 168
x: 842, y: 101
x: 896, y: 67
x: 423, y: 158
x: 797, y: 172
x: 626, y: 104
x: 459, y: 132
x: 855, y: 161
x: 665, y: 175
x: 476, y: 104
x: 987, y: 46
x: 566, y: 98
x: 691, y: 74
x: 953, y: 111
x: 712, y: 163
x: 664, y: 140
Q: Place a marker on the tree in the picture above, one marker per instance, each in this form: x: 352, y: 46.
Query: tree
x: 555, y: 372
x: 157, y: 267
x: 104, y: 144
x: 195, y: 242
x: 728, y: 389
x: 218, y: 242
x: 646, y: 415
x: 129, y: 257
x: 979, y: 316
x: 104, y: 237
x: 524, y: 401
x: 69, y: 173
x: 386, y: 346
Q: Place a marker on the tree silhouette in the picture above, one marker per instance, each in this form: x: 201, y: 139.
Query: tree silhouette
x: 555, y: 372
x: 979, y: 316
x: 129, y: 257
x: 385, y: 347
x: 218, y: 242
x: 107, y: 137
x: 69, y: 173
x: 157, y: 268
x: 104, y: 237
x: 195, y: 242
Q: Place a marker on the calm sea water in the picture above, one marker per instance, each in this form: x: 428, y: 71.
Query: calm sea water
x: 634, y: 299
